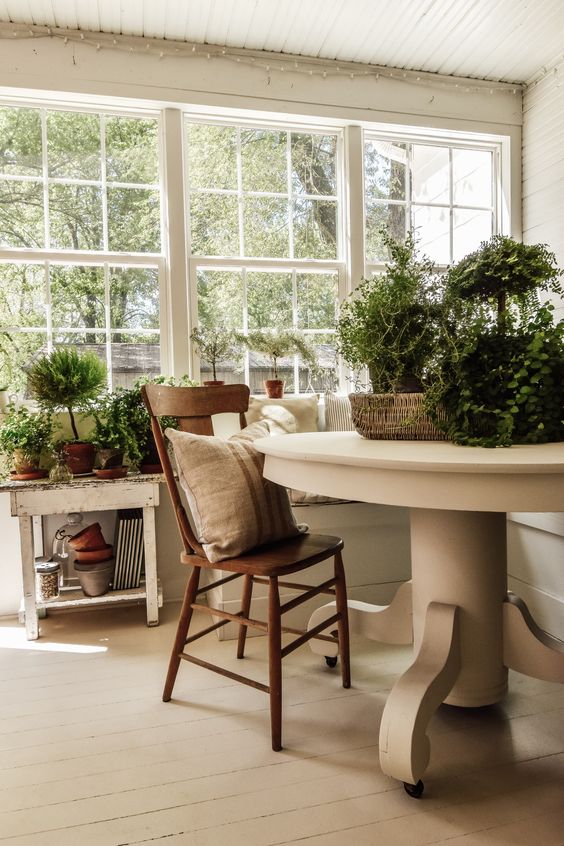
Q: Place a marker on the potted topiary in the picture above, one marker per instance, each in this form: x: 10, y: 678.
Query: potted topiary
x: 277, y: 344
x: 66, y: 380
x: 216, y: 344
x: 390, y: 325
x: 24, y: 436
x: 501, y: 368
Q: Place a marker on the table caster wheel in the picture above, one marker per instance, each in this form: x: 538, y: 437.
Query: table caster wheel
x: 414, y: 790
x: 331, y: 660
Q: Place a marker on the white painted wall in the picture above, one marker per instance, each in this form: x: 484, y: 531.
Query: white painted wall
x: 536, y: 541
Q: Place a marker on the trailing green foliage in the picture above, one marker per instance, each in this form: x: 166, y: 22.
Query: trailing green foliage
x: 500, y: 377
x: 26, y: 431
x: 390, y: 323
x: 66, y: 380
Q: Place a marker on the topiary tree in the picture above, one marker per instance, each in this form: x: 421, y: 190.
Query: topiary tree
x: 67, y: 380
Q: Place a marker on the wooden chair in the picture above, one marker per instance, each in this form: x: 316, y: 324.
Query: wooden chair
x: 194, y: 407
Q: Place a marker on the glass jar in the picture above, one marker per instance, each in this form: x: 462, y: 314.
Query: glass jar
x: 60, y: 472
x: 46, y: 579
x: 60, y: 549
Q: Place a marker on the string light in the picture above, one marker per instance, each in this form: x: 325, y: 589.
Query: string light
x: 308, y: 67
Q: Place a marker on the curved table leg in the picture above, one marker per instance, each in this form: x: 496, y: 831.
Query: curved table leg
x: 387, y: 623
x: 404, y: 746
x: 526, y: 647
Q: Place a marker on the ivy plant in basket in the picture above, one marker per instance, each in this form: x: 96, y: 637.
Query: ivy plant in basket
x: 501, y: 369
x: 391, y: 326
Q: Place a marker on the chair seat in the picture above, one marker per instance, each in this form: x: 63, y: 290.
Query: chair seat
x: 277, y: 559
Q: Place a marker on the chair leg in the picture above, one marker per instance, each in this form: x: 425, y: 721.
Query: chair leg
x: 181, y: 632
x: 343, y: 624
x: 275, y: 663
x: 245, y: 609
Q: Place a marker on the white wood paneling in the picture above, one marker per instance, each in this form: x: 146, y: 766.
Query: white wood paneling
x: 498, y: 40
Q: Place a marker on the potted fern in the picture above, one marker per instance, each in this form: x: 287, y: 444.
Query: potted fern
x: 66, y: 380
x: 277, y: 344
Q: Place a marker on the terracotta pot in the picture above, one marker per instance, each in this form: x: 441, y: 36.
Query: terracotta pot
x: 79, y: 457
x: 274, y: 388
x: 95, y: 579
x: 30, y: 476
x: 108, y: 457
x: 112, y: 472
x: 150, y: 463
x: 95, y: 556
x: 24, y: 463
x: 89, y: 538
x: 210, y: 383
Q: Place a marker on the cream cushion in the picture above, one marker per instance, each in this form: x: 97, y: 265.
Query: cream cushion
x: 338, y: 416
x: 292, y: 414
x: 234, y: 508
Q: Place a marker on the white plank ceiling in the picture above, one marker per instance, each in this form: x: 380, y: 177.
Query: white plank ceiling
x: 502, y: 40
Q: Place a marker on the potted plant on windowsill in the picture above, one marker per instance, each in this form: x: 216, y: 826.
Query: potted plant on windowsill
x: 114, y: 436
x: 66, y: 380
x: 390, y: 325
x: 501, y: 367
x: 277, y: 344
x: 24, y: 436
x: 216, y: 344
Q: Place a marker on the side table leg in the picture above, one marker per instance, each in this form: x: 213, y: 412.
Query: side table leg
x: 391, y: 623
x: 150, y: 542
x: 526, y: 647
x: 28, y: 577
x: 404, y: 746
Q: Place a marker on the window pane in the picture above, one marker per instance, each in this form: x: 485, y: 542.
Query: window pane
x: 77, y: 297
x: 384, y: 170
x: 269, y: 300
x: 20, y: 350
x: 20, y: 142
x: 134, y: 220
x: 21, y: 214
x: 313, y: 164
x: 134, y: 298
x: 430, y: 174
x: 266, y: 227
x: 73, y: 145
x: 472, y: 177
x: 132, y: 150
x: 317, y: 300
x: 75, y: 217
x: 470, y: 227
x: 214, y: 225
x: 315, y: 229
x: 220, y: 298
x: 432, y: 226
x: 378, y: 216
x: 22, y: 296
x: 326, y: 376
x: 212, y: 156
x: 134, y: 356
x: 263, y: 160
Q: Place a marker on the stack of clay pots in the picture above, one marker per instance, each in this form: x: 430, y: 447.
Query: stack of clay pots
x: 94, y: 563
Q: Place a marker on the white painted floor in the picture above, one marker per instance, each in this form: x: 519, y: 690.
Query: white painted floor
x: 90, y: 756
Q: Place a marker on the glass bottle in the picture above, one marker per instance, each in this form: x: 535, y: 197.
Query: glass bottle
x: 61, y: 551
x: 60, y: 472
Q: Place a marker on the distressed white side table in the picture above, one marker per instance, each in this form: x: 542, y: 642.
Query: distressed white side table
x: 39, y: 498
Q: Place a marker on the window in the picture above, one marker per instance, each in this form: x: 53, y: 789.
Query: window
x: 445, y: 192
x: 265, y: 236
x: 74, y: 185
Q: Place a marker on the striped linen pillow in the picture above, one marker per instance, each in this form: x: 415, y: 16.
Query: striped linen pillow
x: 233, y: 506
x: 338, y: 413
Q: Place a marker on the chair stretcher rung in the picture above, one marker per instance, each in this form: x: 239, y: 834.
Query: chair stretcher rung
x: 328, y: 638
x: 236, y: 618
x: 309, y: 635
x: 206, y: 631
x: 295, y: 585
x: 218, y: 583
x: 293, y: 603
x: 223, y: 672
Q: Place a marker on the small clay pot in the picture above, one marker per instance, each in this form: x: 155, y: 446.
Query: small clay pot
x: 94, y: 556
x: 111, y: 472
x: 274, y: 388
x: 211, y: 383
x: 89, y: 538
x: 79, y: 457
x: 95, y: 579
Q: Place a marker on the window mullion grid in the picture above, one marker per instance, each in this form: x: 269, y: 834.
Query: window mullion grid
x: 104, y: 182
x: 247, y: 364
x: 290, y: 192
x: 408, y: 182
x: 295, y: 326
x: 46, y: 227
x: 48, y: 306
x: 451, y: 204
x: 107, y: 312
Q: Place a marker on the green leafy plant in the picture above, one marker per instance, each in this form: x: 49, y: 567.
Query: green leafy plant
x: 216, y: 344
x: 500, y: 378
x: 391, y: 322
x: 279, y: 343
x: 112, y: 429
x: 69, y: 381
x: 27, y: 433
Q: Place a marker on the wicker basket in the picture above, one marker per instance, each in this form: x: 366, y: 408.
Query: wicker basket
x: 393, y: 417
